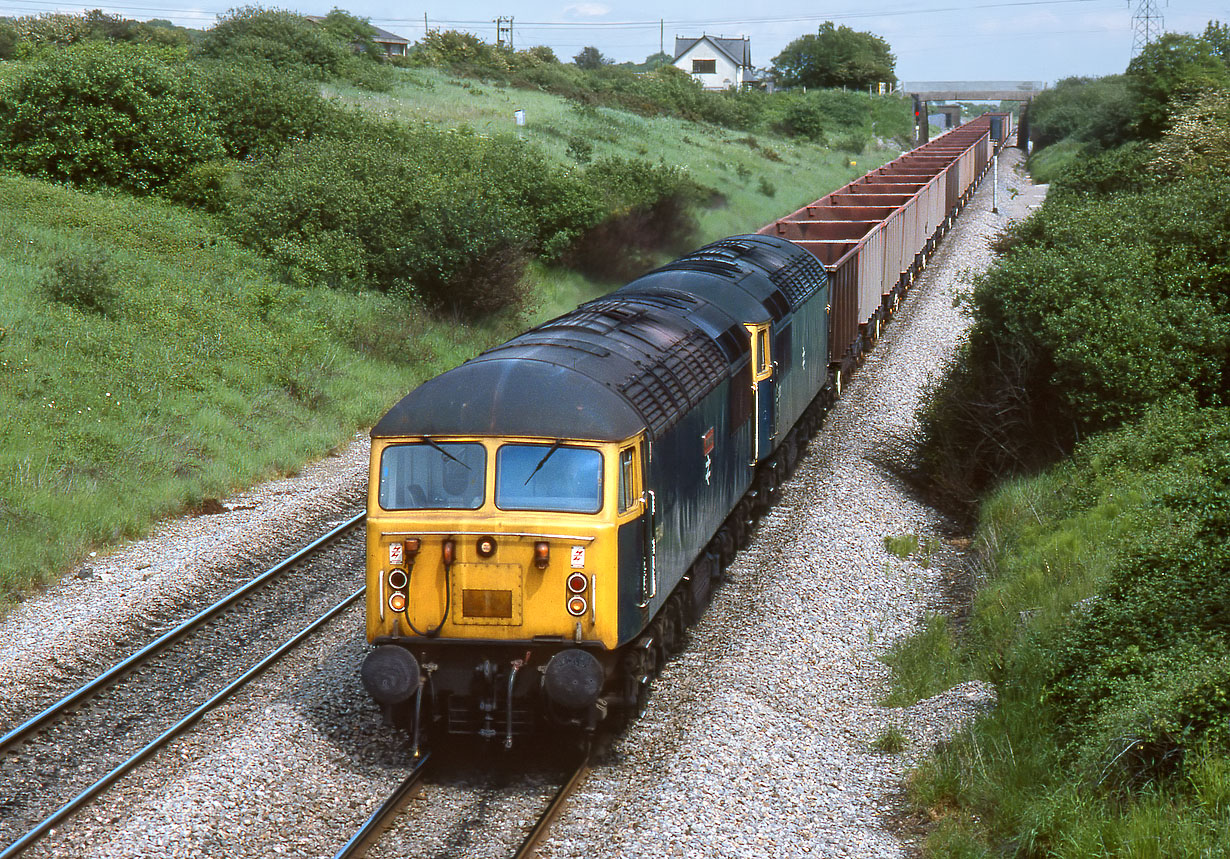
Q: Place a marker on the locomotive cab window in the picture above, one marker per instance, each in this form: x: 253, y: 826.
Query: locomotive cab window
x: 433, y: 476
x: 548, y: 477
x: 628, y: 494
x: 762, y: 354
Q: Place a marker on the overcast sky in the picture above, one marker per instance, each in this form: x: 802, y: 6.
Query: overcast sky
x: 933, y: 40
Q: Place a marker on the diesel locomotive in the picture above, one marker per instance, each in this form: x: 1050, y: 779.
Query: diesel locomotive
x: 546, y: 519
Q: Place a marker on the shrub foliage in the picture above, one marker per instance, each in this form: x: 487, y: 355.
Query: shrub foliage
x: 1101, y: 337
x: 99, y: 114
x: 448, y: 216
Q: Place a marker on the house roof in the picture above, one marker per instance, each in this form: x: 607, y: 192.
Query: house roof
x: 378, y: 35
x: 738, y: 50
x: 386, y: 36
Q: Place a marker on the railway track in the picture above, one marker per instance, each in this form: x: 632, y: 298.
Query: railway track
x: 58, y: 761
x: 384, y: 816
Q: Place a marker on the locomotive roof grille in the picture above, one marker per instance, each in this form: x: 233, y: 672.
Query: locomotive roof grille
x: 799, y: 279
x: 798, y: 276
x: 677, y: 381
x: 778, y: 305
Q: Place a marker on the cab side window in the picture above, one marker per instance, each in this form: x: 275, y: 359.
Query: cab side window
x: 627, y: 480
x: 763, y: 356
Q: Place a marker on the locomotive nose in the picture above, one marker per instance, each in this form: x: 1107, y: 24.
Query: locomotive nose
x: 573, y: 679
x: 390, y: 674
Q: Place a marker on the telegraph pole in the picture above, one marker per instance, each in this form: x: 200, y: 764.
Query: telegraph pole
x: 503, y: 27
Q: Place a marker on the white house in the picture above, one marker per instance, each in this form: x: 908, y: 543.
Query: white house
x: 718, y: 63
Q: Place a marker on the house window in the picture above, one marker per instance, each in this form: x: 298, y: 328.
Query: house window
x: 704, y: 67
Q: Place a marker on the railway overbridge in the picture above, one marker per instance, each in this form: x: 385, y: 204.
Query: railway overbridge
x: 926, y: 93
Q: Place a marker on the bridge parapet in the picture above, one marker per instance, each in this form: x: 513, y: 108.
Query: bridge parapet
x: 974, y: 90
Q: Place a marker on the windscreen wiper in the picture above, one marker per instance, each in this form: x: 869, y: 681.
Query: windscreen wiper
x: 543, y: 461
x: 449, y: 455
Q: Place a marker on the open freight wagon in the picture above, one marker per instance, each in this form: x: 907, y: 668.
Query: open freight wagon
x: 876, y: 234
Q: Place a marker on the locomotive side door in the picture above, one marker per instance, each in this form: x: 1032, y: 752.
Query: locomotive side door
x: 764, y: 399
x: 647, y: 500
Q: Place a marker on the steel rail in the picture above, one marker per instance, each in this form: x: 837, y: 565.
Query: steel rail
x: 175, y: 730
x: 371, y: 831
x: 529, y: 847
x: 127, y: 665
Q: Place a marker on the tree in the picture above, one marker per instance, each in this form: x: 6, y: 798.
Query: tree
x: 1175, y: 67
x: 1217, y: 35
x: 835, y: 56
x: 352, y: 31
x: 656, y: 61
x: 590, y: 58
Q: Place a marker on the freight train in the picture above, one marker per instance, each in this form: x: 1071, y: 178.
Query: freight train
x: 546, y: 519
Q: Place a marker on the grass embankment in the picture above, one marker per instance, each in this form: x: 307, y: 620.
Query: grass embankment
x: 205, y: 374
x: 750, y: 179
x: 1100, y: 617
x: 149, y: 361
x: 1087, y: 424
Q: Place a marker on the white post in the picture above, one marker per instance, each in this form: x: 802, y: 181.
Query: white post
x: 995, y: 185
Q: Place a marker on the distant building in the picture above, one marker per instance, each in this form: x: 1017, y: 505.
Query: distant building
x: 718, y: 63
x: 392, y: 44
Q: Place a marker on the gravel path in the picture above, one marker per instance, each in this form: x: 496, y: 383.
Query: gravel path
x: 757, y: 740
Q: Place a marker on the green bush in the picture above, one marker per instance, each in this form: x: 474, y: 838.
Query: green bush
x: 643, y: 212
x: 1101, y: 618
x: 210, y: 185
x: 350, y: 213
x: 8, y: 40
x: 52, y: 28
x: 1083, y: 325
x: 257, y: 109
x: 803, y: 118
x: 100, y: 114
x: 285, y: 40
x: 84, y: 281
x: 1084, y: 110
x: 453, y: 49
x: 1100, y: 173
x: 1138, y: 677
